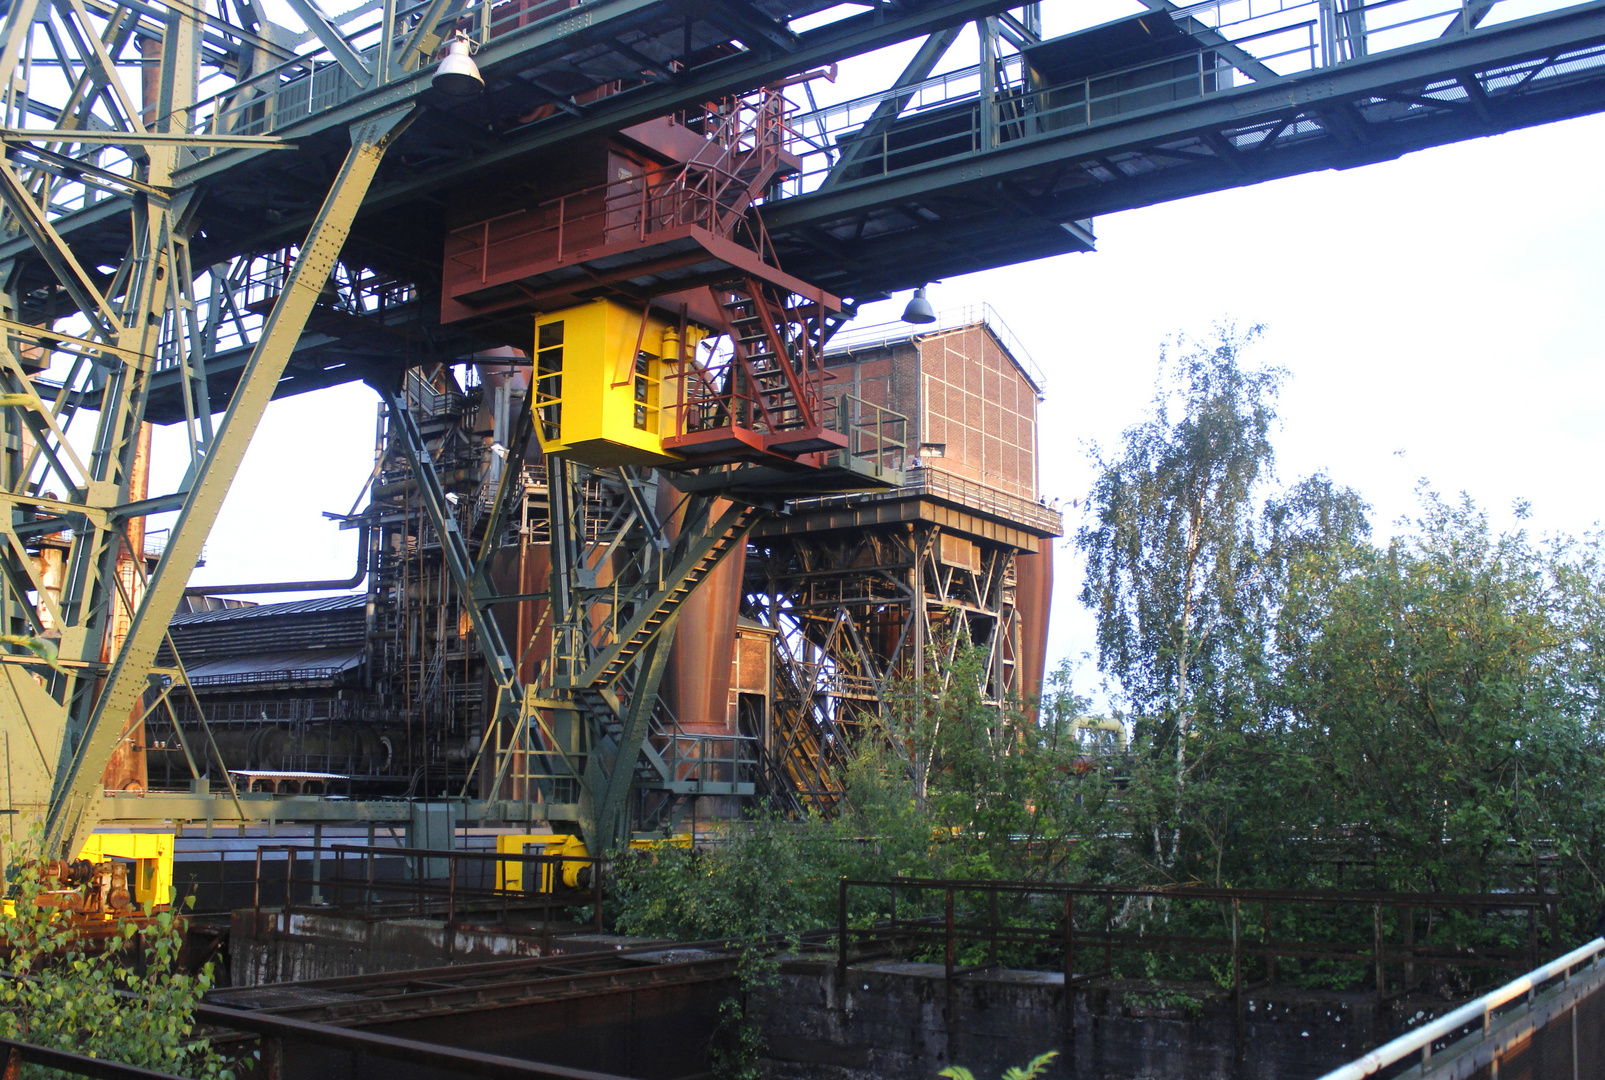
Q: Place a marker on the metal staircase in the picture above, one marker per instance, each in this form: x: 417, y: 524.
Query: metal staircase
x: 811, y: 761
x: 744, y: 155
x: 698, y: 561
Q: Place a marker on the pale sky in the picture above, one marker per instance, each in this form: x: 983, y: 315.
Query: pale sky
x: 1438, y: 314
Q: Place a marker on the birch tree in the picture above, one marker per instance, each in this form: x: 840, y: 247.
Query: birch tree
x: 1170, y: 545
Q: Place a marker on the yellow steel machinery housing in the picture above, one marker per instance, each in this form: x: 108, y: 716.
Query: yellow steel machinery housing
x: 152, y: 856
x: 149, y: 879
x: 510, y: 873
x: 604, y: 382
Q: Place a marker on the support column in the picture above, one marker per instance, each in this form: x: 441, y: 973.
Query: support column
x: 613, y: 782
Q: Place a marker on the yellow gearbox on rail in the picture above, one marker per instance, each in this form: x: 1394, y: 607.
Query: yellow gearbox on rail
x: 604, y: 382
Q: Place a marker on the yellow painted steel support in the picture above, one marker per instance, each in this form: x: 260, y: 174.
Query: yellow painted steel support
x: 74, y: 807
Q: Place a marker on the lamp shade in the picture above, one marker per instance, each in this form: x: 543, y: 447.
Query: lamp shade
x: 458, y: 75
x: 919, y: 309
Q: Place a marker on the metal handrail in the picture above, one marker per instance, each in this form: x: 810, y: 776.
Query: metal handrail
x: 1325, y: 40
x: 924, y: 480
x: 753, y: 131
x: 14, y: 1054
x: 297, y: 87
x: 277, y: 675
x: 1048, y: 110
x: 1479, y: 1012
x: 426, y: 893
x: 1248, y: 940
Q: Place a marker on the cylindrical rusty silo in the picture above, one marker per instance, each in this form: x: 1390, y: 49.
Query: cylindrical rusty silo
x: 696, y: 686
x: 697, y: 683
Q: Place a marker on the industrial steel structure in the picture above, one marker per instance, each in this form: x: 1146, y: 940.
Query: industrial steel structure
x: 203, y: 210
x: 862, y: 593
x: 760, y: 701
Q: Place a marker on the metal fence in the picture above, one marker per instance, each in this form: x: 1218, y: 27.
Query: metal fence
x: 1388, y: 941
x: 377, y: 880
x: 14, y: 1055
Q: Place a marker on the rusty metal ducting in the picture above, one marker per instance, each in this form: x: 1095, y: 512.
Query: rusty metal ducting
x: 1033, y: 600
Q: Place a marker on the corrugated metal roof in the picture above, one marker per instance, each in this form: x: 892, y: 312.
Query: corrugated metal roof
x: 268, y: 611
x: 312, y: 665
x: 331, y: 623
x: 852, y: 339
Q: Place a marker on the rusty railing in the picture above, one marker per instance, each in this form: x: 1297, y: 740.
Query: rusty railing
x: 1078, y: 922
x: 469, y: 881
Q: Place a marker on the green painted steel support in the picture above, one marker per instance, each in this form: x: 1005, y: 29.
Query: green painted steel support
x: 610, y: 783
x: 75, y: 802
x: 45, y: 705
x: 868, y: 138
x: 699, y: 549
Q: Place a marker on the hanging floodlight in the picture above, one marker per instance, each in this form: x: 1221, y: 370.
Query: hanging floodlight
x: 458, y: 75
x: 919, y: 309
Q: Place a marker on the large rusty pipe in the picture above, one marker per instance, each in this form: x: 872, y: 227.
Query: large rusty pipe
x: 1033, y: 600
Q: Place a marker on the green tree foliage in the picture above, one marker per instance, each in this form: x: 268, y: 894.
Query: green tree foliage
x: 1169, y: 548
x: 1007, y: 792
x: 117, y: 994
x: 1444, y: 716
x: 1187, y: 562
x: 1009, y: 797
x: 1423, y: 713
x: 1003, y: 800
x: 1033, y: 1069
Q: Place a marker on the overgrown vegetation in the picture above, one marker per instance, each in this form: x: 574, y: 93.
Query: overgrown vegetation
x: 1033, y: 1069
x: 117, y: 993
x: 1309, y: 708
x: 1313, y: 709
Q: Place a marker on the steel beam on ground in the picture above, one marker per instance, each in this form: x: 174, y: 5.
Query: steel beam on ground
x: 387, y: 1047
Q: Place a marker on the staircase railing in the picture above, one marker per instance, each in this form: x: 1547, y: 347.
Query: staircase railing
x: 745, y: 153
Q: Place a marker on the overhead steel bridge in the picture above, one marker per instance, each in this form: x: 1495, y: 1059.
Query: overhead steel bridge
x: 934, y: 176
x: 983, y: 166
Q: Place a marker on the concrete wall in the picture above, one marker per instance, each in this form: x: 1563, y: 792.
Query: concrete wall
x: 903, y: 1021
x: 892, y: 1021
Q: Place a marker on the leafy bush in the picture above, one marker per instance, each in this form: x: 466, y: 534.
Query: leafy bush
x: 117, y: 993
x: 1037, y: 1066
